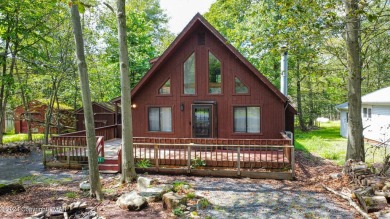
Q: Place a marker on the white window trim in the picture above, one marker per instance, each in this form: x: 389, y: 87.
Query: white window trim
x: 367, y: 115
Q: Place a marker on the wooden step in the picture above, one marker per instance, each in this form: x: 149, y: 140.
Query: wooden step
x: 109, y: 167
x: 108, y: 171
x: 110, y: 161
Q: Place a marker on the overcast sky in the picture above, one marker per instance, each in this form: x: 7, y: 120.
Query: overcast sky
x: 180, y: 12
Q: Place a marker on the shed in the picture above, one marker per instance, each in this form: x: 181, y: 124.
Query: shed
x: 37, y: 112
x: 202, y: 87
x: 375, y: 116
x: 103, y: 113
x: 343, y: 109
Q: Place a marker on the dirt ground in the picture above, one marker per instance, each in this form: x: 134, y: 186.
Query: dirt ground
x: 311, y: 173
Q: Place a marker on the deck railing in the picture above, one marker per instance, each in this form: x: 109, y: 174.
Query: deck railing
x: 217, y: 157
x: 69, y: 151
x: 109, y: 132
x: 64, y: 156
x: 229, y: 156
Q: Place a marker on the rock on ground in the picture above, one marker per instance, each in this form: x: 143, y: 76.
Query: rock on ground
x: 85, y: 185
x: 131, y: 201
x: 144, y: 182
x: 155, y: 194
x: 173, y: 200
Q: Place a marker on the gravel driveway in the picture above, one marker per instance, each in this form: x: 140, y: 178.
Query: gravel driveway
x: 247, y: 198
x: 265, y: 201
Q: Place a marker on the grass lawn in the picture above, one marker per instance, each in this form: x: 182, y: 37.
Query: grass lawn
x: 19, y: 137
x: 325, y: 142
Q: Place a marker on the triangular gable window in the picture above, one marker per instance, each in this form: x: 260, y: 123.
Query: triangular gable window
x: 166, y: 88
x: 215, y: 76
x: 240, y: 88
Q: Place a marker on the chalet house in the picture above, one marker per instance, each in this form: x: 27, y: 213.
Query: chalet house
x: 375, y: 116
x: 103, y: 112
x: 37, y: 111
x: 201, y: 99
x: 202, y: 87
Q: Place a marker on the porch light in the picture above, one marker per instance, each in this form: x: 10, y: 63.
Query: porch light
x: 133, y: 106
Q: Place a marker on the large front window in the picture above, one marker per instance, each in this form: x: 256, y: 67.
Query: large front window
x: 215, y: 77
x: 189, y: 75
x: 160, y: 119
x: 247, y: 119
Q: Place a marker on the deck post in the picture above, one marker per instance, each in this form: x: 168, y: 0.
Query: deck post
x: 293, y: 161
x: 103, y: 147
x: 189, y: 158
x: 156, y: 156
x: 44, y: 155
x: 238, y: 161
x: 68, y: 157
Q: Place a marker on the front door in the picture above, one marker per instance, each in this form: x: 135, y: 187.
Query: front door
x: 202, y: 124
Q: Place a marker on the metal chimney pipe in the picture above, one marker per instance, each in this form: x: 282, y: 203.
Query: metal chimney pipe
x: 284, y: 71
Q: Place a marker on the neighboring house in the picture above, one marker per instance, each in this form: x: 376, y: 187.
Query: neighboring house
x: 103, y: 113
x: 202, y: 87
x: 375, y: 115
x: 37, y: 112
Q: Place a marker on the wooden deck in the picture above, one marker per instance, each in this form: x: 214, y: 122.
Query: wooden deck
x: 213, y: 155
x: 254, y: 158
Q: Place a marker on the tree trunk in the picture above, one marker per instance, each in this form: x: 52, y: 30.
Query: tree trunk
x: 49, y: 110
x: 128, y: 168
x: 58, y: 115
x: 87, y: 104
x: 26, y: 107
x: 311, y: 103
x: 355, y: 148
x: 299, y: 101
x: 3, y: 89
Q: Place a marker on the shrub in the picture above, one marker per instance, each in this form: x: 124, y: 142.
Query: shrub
x: 178, y: 212
x: 203, y: 203
x: 144, y: 163
x: 71, y: 195
x: 180, y: 186
x: 197, y: 162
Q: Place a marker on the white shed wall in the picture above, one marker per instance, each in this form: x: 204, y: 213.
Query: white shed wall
x: 378, y: 126
x: 343, y: 124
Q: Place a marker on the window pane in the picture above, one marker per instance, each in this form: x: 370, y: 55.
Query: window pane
x: 166, y: 88
x: 239, y: 119
x: 369, y: 112
x: 240, y: 87
x: 166, y: 119
x: 364, y: 112
x: 189, y: 75
x: 253, y: 119
x: 154, y: 120
x: 215, y: 77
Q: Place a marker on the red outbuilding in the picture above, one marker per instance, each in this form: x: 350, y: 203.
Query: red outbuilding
x: 37, y: 114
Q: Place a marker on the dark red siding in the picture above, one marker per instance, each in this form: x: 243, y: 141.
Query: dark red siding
x: 38, y: 111
x: 272, y: 107
x: 102, y: 117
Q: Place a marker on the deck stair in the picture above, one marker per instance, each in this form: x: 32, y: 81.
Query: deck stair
x: 110, y: 165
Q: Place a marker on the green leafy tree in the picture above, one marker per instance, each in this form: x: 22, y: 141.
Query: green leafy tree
x: 22, y: 25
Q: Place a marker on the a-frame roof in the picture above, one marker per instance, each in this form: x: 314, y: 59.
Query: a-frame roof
x: 200, y: 20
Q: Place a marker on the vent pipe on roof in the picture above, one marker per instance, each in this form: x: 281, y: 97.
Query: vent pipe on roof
x: 284, y: 70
